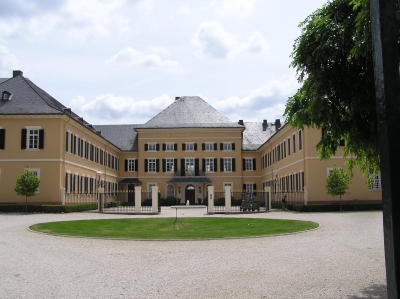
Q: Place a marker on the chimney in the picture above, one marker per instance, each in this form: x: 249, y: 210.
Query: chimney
x: 265, y: 125
x: 241, y: 122
x: 177, y: 98
x: 17, y: 73
x: 277, y: 124
x: 67, y: 110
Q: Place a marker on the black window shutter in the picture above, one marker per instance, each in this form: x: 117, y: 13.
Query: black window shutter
x: 221, y: 146
x: 215, y: 164
x: 163, y: 147
x: 175, y: 165
x: 145, y: 166
x: 244, y: 188
x: 2, y: 138
x: 196, y: 167
x: 182, y: 167
x: 41, y: 139
x: 66, y: 141
x: 244, y: 164
x: 215, y: 146
x: 157, y: 165
x: 233, y: 164
x: 203, y: 146
x: 126, y: 164
x: 233, y: 146
x: 175, y: 147
x: 195, y: 146
x: 254, y: 164
x: 254, y: 189
x: 222, y: 164
x: 23, y: 138
x: 183, y: 146
x: 164, y: 165
x: 203, y: 164
x: 157, y: 147
x: 136, y: 165
x: 146, y: 147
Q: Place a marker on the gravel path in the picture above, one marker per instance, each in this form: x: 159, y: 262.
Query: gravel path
x: 344, y: 258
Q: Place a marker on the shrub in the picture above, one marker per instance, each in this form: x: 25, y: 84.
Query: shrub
x: 170, y: 201
x: 335, y: 207
x: 48, y: 208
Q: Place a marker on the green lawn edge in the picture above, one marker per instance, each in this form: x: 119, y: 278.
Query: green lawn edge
x: 165, y: 228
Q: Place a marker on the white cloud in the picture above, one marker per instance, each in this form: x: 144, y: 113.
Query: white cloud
x: 111, y: 109
x: 264, y: 102
x: 211, y: 40
x: 235, y: 8
x: 134, y: 58
x: 8, y: 61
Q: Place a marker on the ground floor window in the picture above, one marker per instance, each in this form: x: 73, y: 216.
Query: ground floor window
x: 170, y: 190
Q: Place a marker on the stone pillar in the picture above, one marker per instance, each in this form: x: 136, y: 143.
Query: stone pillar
x: 210, y: 190
x: 267, y: 198
x: 100, y: 194
x: 138, y: 199
x: 62, y: 196
x: 228, y: 199
x: 305, y: 195
x: 154, y: 199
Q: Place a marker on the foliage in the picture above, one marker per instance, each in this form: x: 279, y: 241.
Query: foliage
x: 47, y: 208
x: 334, y: 208
x: 170, y: 201
x: 27, y: 183
x: 337, y: 182
x: 334, y: 63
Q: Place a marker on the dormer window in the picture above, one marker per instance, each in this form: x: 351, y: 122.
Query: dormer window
x: 6, y: 96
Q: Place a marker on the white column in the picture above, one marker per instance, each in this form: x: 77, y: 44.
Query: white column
x: 138, y: 199
x: 228, y: 201
x: 62, y: 196
x: 268, y: 199
x: 210, y: 190
x: 154, y: 199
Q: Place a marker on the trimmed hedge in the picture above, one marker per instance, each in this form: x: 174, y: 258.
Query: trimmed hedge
x: 334, y: 207
x: 20, y: 208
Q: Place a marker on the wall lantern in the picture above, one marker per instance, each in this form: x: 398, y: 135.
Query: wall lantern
x: 200, y: 189
x: 179, y: 189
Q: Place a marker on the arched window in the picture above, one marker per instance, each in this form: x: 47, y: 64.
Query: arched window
x: 170, y: 190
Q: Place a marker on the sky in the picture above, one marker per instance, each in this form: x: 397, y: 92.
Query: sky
x: 124, y: 61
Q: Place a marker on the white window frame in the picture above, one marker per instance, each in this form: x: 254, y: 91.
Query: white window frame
x: 149, y: 189
x: 376, y: 182
x: 248, y: 162
x: 209, y: 163
x: 152, y: 165
x: 190, y: 166
x: 227, y: 164
x: 227, y: 146
x: 166, y: 190
x: 131, y: 165
x: 209, y: 146
x: 151, y: 147
x: 28, y: 137
x: 169, y: 147
x: 249, y: 187
x: 189, y: 146
x: 169, y: 165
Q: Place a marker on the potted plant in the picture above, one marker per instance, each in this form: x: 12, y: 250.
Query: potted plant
x: 199, y: 200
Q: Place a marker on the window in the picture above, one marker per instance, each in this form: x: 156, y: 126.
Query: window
x: 32, y: 138
x: 150, y: 190
x: 169, y: 147
x: 227, y: 146
x: 170, y: 190
x: 249, y: 164
x: 36, y: 172
x: 375, y: 181
x: 249, y: 187
x: 288, y: 146
x: 189, y: 166
x: 151, y: 147
x: 130, y: 165
x: 227, y: 164
x: 294, y: 143
x: 208, y: 146
x: 209, y: 164
x: 300, y: 140
x: 169, y: 165
x: 151, y: 165
x: 189, y: 147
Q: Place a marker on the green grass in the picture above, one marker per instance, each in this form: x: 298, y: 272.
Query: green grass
x: 163, y: 229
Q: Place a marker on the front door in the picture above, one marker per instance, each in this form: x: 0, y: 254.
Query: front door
x: 190, y: 194
x: 131, y: 193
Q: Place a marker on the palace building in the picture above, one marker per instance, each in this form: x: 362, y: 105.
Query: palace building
x: 183, y: 149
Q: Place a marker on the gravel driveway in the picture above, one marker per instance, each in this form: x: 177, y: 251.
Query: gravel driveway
x: 344, y: 258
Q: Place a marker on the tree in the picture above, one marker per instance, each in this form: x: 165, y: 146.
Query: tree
x: 27, y: 185
x: 333, y: 58
x: 337, y: 183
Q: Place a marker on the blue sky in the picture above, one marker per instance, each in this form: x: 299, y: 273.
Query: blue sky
x: 123, y: 61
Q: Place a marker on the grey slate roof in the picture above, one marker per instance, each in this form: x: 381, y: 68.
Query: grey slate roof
x: 123, y: 136
x: 254, y: 136
x: 190, y: 112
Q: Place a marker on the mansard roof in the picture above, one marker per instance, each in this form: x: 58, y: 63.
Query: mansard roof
x: 255, y: 136
x: 190, y: 112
